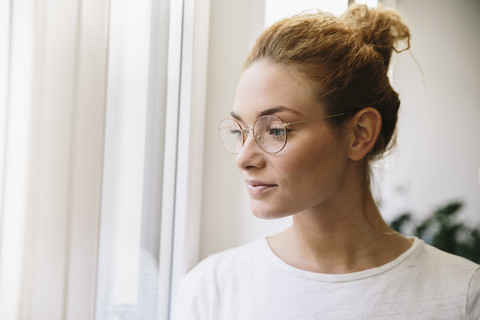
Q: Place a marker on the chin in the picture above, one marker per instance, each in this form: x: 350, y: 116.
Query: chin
x: 265, y: 212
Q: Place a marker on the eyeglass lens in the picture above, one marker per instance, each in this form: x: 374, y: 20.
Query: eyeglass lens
x: 270, y: 134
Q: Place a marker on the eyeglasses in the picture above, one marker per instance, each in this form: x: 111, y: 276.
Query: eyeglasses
x: 270, y: 133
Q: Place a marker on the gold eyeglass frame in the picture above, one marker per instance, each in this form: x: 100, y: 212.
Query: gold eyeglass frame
x: 246, y: 132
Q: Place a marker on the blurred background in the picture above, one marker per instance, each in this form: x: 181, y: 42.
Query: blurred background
x: 113, y: 180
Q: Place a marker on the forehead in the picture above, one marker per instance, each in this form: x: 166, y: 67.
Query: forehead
x: 264, y: 85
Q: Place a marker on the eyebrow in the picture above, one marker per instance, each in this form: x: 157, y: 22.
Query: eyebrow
x: 269, y: 111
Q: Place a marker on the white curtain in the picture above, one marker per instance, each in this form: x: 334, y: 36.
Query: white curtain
x: 101, y: 129
x: 52, y: 150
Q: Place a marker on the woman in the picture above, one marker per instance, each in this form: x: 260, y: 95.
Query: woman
x: 313, y: 108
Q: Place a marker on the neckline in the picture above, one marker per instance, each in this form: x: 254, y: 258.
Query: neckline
x: 344, y: 277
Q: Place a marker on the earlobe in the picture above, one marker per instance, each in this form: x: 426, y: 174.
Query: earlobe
x: 366, y: 125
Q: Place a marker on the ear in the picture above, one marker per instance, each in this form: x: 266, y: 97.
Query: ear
x: 365, y: 126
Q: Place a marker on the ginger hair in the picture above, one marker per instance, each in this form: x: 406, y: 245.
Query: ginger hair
x: 348, y: 56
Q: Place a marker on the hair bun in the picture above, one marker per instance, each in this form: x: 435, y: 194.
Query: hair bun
x: 382, y: 28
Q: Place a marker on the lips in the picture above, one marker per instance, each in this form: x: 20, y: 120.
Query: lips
x: 258, y: 188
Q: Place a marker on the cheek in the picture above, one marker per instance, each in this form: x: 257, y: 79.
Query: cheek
x: 314, y: 163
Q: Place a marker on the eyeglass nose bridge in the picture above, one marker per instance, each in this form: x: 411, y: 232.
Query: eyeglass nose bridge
x: 246, y: 133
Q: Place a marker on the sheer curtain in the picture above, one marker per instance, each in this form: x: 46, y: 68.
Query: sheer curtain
x: 53, y: 84
x: 101, y: 139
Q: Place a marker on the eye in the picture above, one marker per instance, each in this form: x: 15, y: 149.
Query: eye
x: 277, y: 131
x: 235, y: 132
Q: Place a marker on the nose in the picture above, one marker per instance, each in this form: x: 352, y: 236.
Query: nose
x: 250, y: 156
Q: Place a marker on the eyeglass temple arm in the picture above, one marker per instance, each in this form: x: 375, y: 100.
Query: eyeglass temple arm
x: 326, y: 117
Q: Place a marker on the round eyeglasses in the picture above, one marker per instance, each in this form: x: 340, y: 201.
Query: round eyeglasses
x: 270, y: 133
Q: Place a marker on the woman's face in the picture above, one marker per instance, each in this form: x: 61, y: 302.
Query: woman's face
x: 310, y: 170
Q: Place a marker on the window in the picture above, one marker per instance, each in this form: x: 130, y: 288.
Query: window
x: 72, y: 163
x: 153, y: 142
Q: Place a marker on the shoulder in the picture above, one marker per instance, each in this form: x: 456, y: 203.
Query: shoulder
x: 230, y: 261
x: 198, y: 293
x: 428, y: 262
x: 450, y: 275
x: 473, y: 303
x: 433, y: 259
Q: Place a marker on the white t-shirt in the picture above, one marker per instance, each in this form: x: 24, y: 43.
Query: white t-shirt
x: 250, y: 282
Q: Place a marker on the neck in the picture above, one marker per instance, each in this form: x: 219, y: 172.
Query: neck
x: 340, y: 237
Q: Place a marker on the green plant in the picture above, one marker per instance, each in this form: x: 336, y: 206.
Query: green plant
x: 443, y: 230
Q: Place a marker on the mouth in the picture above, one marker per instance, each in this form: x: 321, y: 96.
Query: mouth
x: 257, y: 188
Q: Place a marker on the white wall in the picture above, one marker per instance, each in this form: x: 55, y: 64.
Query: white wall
x: 437, y: 158
x: 439, y: 154
x: 226, y: 219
